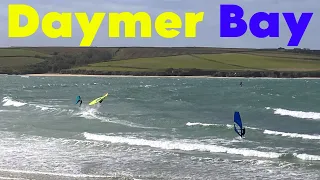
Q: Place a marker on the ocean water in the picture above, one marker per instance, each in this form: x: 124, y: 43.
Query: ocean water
x: 159, y: 128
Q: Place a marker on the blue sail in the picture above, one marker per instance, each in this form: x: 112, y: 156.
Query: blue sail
x: 78, y: 99
x: 237, y: 123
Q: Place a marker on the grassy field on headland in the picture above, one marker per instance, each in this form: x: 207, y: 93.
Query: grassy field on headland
x: 185, y: 61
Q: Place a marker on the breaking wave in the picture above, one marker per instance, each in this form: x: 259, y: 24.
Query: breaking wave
x: 7, y: 101
x: 292, y: 135
x: 93, y: 113
x: 189, y: 146
x: 229, y: 126
x: 266, y: 131
x: 296, y: 114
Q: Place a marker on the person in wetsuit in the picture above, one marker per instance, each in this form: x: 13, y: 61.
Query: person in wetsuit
x: 243, y: 132
x: 79, y: 101
x: 241, y: 83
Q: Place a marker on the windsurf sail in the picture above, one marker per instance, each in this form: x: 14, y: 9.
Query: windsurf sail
x: 78, y: 99
x: 237, y: 123
x: 99, y: 99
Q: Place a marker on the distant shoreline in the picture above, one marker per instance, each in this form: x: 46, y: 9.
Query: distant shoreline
x: 88, y: 75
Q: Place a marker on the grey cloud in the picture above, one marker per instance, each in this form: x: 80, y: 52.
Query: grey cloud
x: 208, y: 31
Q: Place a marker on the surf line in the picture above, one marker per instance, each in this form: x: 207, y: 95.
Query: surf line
x: 90, y: 27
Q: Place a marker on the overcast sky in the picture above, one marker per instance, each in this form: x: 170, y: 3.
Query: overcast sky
x: 208, y: 31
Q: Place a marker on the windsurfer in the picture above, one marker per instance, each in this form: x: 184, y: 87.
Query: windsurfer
x: 98, y: 100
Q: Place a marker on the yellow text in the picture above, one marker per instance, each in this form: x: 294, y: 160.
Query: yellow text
x: 90, y: 28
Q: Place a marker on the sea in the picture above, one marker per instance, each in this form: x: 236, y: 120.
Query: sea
x: 153, y: 128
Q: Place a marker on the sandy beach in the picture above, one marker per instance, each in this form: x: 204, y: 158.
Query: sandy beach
x: 28, y: 175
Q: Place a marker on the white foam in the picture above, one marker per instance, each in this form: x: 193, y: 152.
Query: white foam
x: 50, y: 156
x: 44, y: 107
x: 88, y: 112
x: 205, y: 124
x: 93, y: 113
x: 180, y: 145
x: 229, y: 126
x: 296, y: 114
x: 292, y: 135
x: 7, y: 101
x: 307, y: 157
x: 187, y: 146
x: 7, y: 178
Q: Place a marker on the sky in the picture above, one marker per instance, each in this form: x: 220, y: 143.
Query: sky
x: 208, y: 31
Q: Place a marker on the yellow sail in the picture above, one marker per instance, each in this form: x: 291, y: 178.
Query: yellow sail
x: 98, y: 100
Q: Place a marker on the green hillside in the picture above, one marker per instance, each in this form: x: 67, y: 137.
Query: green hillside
x: 20, y: 60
